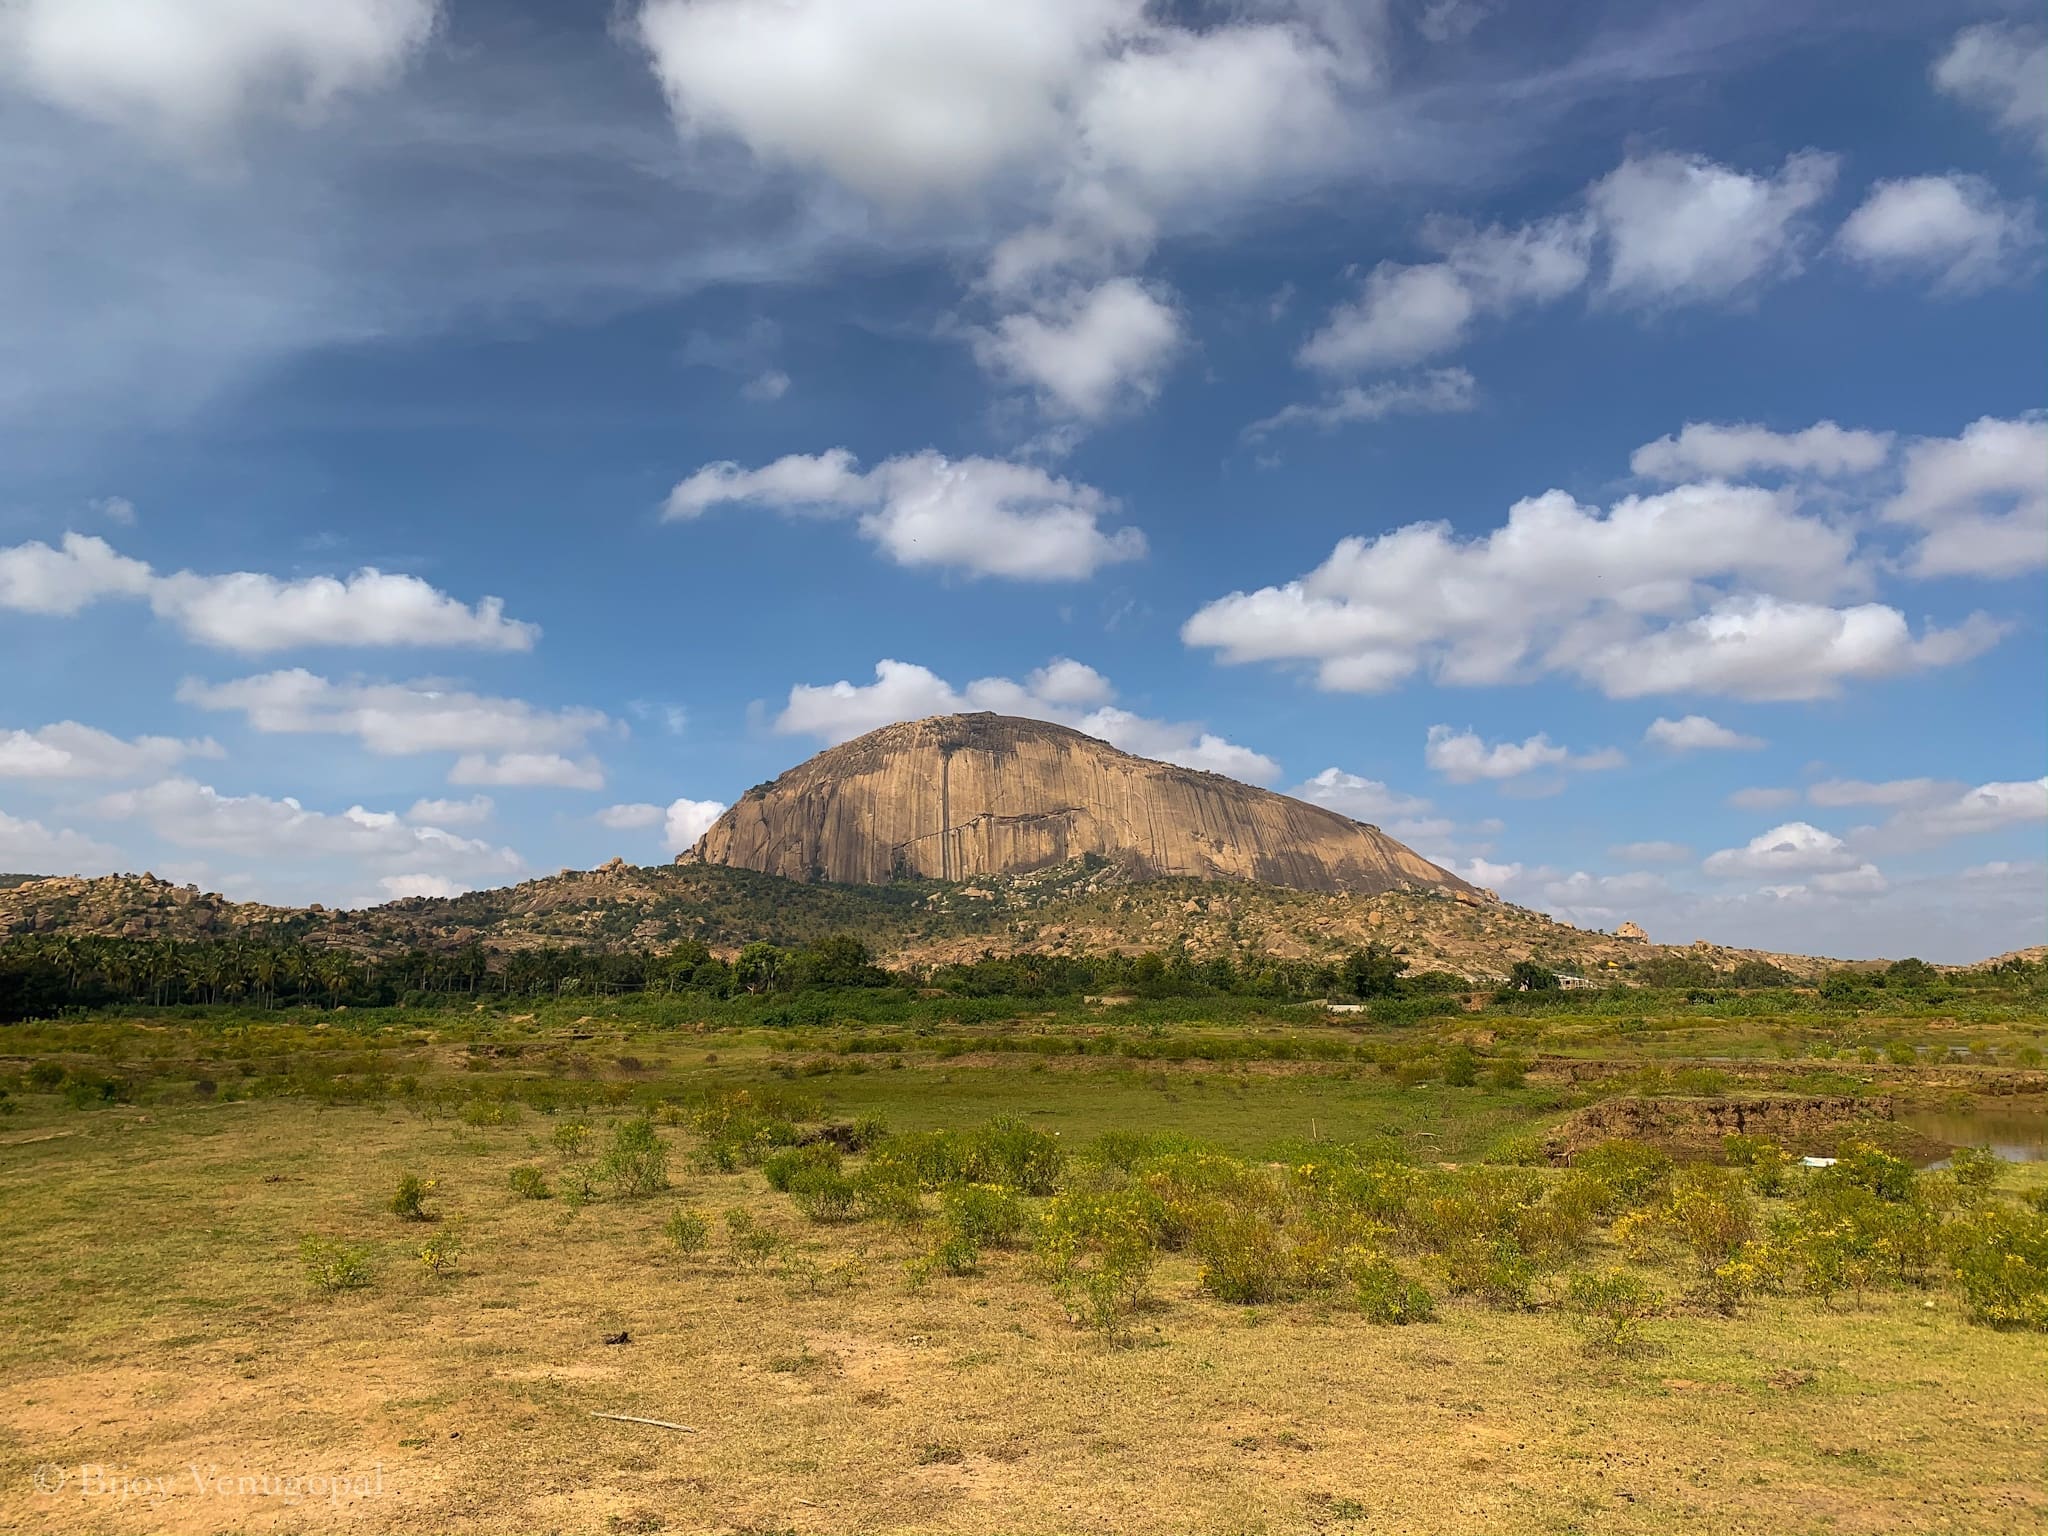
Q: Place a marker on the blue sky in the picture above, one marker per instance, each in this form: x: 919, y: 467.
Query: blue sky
x: 448, y: 442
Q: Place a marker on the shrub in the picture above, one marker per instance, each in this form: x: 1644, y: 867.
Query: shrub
x: 1751, y: 1271
x: 332, y: 1265
x: 1005, y: 1151
x: 1244, y: 1255
x: 490, y: 1112
x: 824, y: 1195
x: 1871, y: 1168
x: 1711, y: 1213
x: 783, y: 1169
x: 637, y: 1161
x: 1097, y: 1248
x: 987, y: 1214
x: 747, y: 1242
x: 687, y: 1232
x: 409, y: 1200
x: 1508, y: 1071
x: 1635, y: 1174
x: 439, y: 1255
x: 1611, y: 1305
x: 1494, y: 1269
x: 1461, y: 1067
x: 1388, y: 1297
x: 529, y: 1183
x: 888, y: 1193
x: 1998, y: 1257
x: 572, y: 1138
x: 1844, y: 1236
x: 1975, y: 1169
x: 85, y: 1090
x: 44, y: 1075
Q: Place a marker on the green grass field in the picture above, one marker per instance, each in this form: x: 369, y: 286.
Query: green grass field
x: 168, y: 1363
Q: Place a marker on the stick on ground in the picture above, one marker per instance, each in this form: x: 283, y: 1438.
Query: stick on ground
x: 627, y: 1418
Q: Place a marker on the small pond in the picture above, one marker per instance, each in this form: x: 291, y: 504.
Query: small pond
x: 2017, y: 1135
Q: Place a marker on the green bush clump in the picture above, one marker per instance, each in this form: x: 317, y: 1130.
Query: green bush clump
x: 1843, y: 1235
x: 1769, y: 1164
x: 636, y: 1163
x: 1998, y: 1257
x: 1612, y: 1306
x: 1508, y: 1070
x: 1753, y: 1270
x: 887, y: 1193
x: 825, y: 1196
x: 1246, y: 1256
x: 1871, y: 1168
x: 1461, y: 1067
x: 332, y: 1265
x: 1710, y: 1211
x: 1097, y: 1248
x: 784, y: 1169
x: 1388, y: 1297
x: 1005, y: 1151
x: 988, y: 1215
x: 743, y: 1126
x: 748, y: 1243
x: 1975, y: 1170
x: 87, y: 1090
x: 1494, y: 1269
x: 1636, y: 1174
x: 409, y: 1200
x: 529, y: 1183
x: 687, y: 1232
x: 44, y: 1075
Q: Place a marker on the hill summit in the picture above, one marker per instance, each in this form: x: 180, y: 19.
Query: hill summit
x: 959, y: 797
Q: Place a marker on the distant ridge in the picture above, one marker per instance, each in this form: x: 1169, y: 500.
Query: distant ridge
x: 960, y: 797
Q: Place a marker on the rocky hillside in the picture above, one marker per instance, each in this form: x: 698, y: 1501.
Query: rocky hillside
x: 962, y: 797
x: 1087, y: 905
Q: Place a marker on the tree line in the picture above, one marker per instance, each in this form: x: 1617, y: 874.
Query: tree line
x: 45, y: 975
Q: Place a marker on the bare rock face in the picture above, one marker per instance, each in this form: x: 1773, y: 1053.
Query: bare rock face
x: 959, y: 796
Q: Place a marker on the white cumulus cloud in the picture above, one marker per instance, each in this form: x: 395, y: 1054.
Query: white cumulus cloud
x: 69, y: 750
x: 1361, y: 799
x: 1979, y: 500
x: 251, y: 612
x: 1462, y: 757
x: 1440, y: 391
x: 1795, y: 848
x: 1725, y: 452
x: 189, y: 68
x: 28, y: 847
x: 687, y: 820
x: 527, y: 770
x: 1089, y: 352
x: 987, y: 517
x: 194, y: 815
x: 474, y: 811
x: 396, y: 719
x: 1696, y: 733
x: 1685, y: 229
x: 2001, y: 69
x: 1953, y: 230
